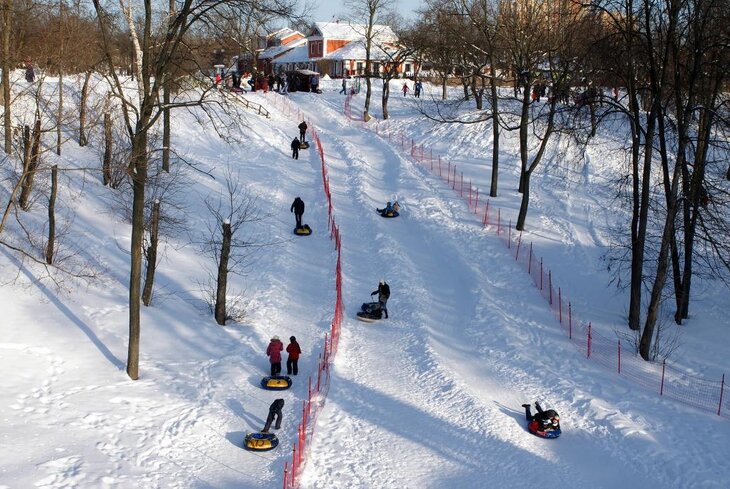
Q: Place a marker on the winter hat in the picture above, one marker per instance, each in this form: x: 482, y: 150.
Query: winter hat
x: 292, y: 338
x: 275, y: 338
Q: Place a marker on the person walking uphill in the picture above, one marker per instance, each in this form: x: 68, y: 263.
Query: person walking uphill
x: 383, y: 296
x: 297, y: 207
x: 295, y: 148
x: 292, y: 367
x: 274, y: 353
x: 302, y: 131
x: 274, y: 410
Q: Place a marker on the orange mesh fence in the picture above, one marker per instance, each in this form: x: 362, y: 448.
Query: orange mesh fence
x: 318, y: 387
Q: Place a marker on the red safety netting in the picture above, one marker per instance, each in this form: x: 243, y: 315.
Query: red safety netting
x: 661, y: 378
x: 319, y: 387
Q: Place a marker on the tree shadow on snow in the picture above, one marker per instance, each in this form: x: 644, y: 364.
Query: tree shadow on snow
x: 68, y: 313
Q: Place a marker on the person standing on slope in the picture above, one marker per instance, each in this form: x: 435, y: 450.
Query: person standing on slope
x: 297, y: 207
x: 292, y: 361
x: 273, y: 351
x: 383, y: 296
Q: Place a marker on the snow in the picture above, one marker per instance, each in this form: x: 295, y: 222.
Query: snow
x: 430, y: 397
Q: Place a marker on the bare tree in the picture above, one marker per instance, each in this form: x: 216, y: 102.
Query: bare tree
x: 369, y: 10
x: 231, y: 250
x: 155, y: 53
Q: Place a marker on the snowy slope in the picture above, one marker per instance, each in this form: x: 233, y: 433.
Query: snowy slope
x: 427, y: 398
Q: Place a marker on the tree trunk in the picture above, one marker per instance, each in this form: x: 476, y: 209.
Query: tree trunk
x: 525, y: 202
x: 52, y: 215
x: 106, y: 165
x: 444, y: 94
x: 59, y: 116
x: 524, y: 120
x: 138, y: 174
x: 495, y: 129
x: 29, y: 172
x: 222, y: 282
x: 6, y: 67
x: 386, y: 95
x: 83, y: 141
x: 166, y: 127
x: 152, y: 254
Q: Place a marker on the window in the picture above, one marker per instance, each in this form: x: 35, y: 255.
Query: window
x: 359, y: 68
x: 376, y: 68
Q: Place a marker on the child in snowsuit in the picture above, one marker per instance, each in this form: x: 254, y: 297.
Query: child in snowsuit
x: 383, y: 296
x: 295, y: 148
x: 274, y: 410
x: 292, y: 360
x: 297, y: 207
x: 542, y: 420
x: 273, y: 351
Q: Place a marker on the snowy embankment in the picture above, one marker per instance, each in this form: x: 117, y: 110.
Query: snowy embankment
x: 427, y: 398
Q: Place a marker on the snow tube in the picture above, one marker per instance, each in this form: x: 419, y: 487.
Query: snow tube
x: 388, y: 214
x: 533, y: 427
x: 370, y: 312
x: 304, y: 145
x: 276, y: 383
x: 303, y: 231
x: 260, y: 442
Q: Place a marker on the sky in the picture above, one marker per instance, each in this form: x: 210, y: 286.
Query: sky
x: 430, y: 397
x: 327, y: 9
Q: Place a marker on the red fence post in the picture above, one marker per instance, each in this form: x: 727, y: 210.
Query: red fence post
x: 560, y: 305
x: 619, y: 357
x: 286, y: 474
x: 589, y: 340
x: 485, y: 221
x: 550, y: 286
x: 541, y: 273
x: 476, y: 200
x: 529, y: 263
x: 661, y: 386
x: 461, y: 189
x: 422, y: 158
x: 519, y: 242
x: 509, y: 234
x: 448, y: 173
x: 462, y: 176
x: 722, y: 388
x: 570, y: 321
x: 453, y: 180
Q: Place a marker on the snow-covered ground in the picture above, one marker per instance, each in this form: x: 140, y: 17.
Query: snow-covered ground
x: 427, y: 398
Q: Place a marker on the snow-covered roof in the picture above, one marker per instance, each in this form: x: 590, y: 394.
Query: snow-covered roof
x: 356, y: 50
x: 276, y: 51
x: 345, y: 30
x: 300, y: 54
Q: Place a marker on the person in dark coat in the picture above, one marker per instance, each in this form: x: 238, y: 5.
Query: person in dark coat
x: 273, y: 351
x: 274, y: 411
x: 292, y: 367
x: 295, y: 144
x: 542, y: 420
x: 383, y: 296
x: 297, y: 207
x: 302, y: 131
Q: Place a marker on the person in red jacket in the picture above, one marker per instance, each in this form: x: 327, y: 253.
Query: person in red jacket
x: 274, y: 352
x: 294, y: 351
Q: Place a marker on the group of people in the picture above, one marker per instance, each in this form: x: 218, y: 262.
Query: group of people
x: 273, y: 351
x: 417, y: 88
x: 297, y: 142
